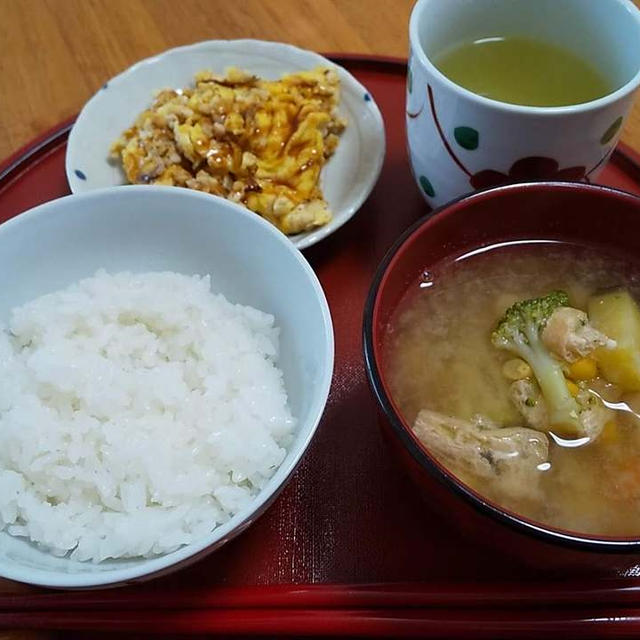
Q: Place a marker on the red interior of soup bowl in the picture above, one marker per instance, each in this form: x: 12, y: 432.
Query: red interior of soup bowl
x: 577, y: 213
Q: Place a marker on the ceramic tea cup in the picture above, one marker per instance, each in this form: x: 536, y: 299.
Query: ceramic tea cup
x: 460, y: 141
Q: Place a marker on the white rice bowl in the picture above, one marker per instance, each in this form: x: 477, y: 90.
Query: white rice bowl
x: 137, y: 413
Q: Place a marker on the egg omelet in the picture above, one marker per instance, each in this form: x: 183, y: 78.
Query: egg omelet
x: 258, y: 142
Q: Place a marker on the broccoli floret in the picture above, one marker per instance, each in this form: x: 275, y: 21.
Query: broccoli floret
x: 519, y: 332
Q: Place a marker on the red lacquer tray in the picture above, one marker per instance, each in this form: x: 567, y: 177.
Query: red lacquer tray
x: 349, y: 547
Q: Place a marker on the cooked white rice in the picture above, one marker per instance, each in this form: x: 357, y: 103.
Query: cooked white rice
x: 137, y: 412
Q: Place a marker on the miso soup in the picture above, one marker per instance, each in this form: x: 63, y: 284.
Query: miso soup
x: 491, y: 414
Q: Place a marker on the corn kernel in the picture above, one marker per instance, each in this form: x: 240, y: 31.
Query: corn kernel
x: 583, y: 369
x: 574, y: 389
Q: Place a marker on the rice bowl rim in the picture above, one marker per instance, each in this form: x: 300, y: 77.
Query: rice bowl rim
x: 147, y: 568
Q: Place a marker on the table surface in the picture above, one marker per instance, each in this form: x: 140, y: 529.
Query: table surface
x: 57, y: 53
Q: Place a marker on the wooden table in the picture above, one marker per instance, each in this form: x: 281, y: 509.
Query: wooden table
x: 56, y: 53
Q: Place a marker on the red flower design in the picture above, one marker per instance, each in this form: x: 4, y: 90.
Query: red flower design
x: 532, y: 168
x: 523, y: 170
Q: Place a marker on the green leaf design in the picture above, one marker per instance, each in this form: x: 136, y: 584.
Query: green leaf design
x: 427, y: 187
x: 409, y: 80
x: 467, y: 137
x: 611, y: 131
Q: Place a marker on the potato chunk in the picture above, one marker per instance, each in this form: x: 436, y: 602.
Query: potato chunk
x: 617, y: 315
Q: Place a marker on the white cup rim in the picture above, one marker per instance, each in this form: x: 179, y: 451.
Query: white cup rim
x: 604, y: 101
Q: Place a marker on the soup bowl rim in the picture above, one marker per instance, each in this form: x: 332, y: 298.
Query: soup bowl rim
x: 420, y: 453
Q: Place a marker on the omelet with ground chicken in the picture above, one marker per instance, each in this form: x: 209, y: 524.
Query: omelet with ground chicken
x: 258, y: 142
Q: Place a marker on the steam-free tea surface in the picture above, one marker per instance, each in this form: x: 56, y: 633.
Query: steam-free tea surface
x: 523, y: 71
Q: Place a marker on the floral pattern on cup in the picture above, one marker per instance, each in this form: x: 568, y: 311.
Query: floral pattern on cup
x: 467, y: 137
x: 607, y: 136
x: 522, y: 170
x: 565, y: 142
x: 531, y: 168
x: 427, y: 187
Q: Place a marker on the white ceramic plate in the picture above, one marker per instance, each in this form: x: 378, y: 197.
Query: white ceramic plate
x: 346, y: 180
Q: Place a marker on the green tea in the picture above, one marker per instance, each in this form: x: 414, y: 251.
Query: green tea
x: 523, y: 71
